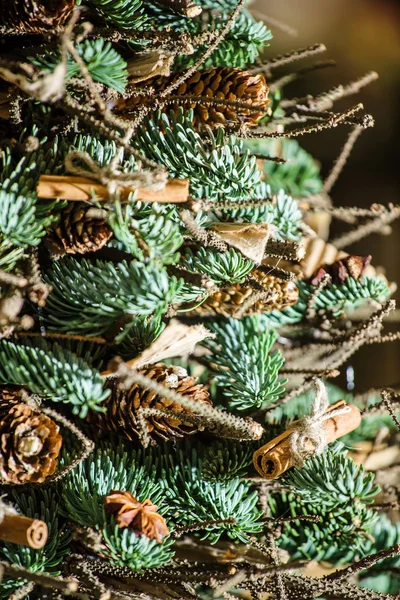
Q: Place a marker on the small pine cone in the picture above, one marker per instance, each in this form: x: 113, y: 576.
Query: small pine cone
x: 35, y: 16
x: 29, y: 441
x: 141, y: 517
x: 81, y: 228
x: 221, y: 83
x: 236, y: 300
x: 122, y: 406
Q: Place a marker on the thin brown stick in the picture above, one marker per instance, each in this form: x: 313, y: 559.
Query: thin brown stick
x: 342, y: 158
x: 364, y: 563
x: 376, y: 225
x: 289, y: 57
x: 48, y: 581
x: 87, y: 446
x: 387, y: 396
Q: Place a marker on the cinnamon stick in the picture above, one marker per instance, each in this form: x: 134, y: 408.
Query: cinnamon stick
x: 275, y: 458
x: 73, y: 188
x: 22, y: 530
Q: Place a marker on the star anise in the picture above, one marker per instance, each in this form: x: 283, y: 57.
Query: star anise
x: 141, y: 517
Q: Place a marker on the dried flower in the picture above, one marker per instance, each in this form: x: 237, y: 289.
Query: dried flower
x: 141, y: 517
x: 349, y: 266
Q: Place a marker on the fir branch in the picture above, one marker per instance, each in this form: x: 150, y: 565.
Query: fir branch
x: 52, y: 372
x: 85, y: 292
x: 247, y: 370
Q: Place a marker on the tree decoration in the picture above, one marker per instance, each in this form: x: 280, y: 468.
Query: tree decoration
x: 350, y: 266
x: 141, y: 517
x: 18, y: 529
x: 225, y: 92
x: 168, y: 276
x: 80, y: 229
x: 30, y: 442
x: 308, y: 437
x: 268, y: 293
x: 129, y: 410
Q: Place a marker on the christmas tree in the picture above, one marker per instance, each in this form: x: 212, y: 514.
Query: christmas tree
x: 173, y: 311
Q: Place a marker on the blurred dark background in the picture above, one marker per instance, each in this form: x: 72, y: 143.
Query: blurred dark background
x: 360, y: 35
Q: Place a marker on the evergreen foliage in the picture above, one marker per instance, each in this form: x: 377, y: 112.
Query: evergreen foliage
x: 125, y: 14
x: 115, y: 467
x: 240, y: 48
x: 138, y: 335
x: 148, y: 235
x: 226, y: 460
x: 221, y: 267
x: 217, y: 168
x: 334, y: 299
x: 52, y: 372
x: 88, y: 297
x: 299, y: 176
x: 196, y: 499
x: 103, y: 62
x: 282, y: 212
x: 247, y: 370
x: 325, y: 489
x: 23, y: 218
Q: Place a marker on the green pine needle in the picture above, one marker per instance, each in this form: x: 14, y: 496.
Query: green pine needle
x: 52, y: 372
x: 247, y: 370
x: 217, y: 168
x: 88, y: 297
x: 103, y: 62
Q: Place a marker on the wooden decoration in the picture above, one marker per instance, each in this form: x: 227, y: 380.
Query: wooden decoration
x: 74, y: 188
x: 275, y: 458
x: 22, y: 530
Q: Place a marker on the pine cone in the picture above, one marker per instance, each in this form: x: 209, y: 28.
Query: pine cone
x: 221, y: 83
x: 34, y: 16
x: 29, y: 441
x: 81, y: 228
x: 236, y: 300
x: 122, y: 406
x: 141, y: 517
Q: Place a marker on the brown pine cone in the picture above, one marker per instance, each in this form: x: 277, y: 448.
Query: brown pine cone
x: 141, y: 517
x: 236, y: 300
x: 34, y: 16
x: 81, y: 228
x: 221, y: 83
x: 29, y: 441
x: 122, y: 406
